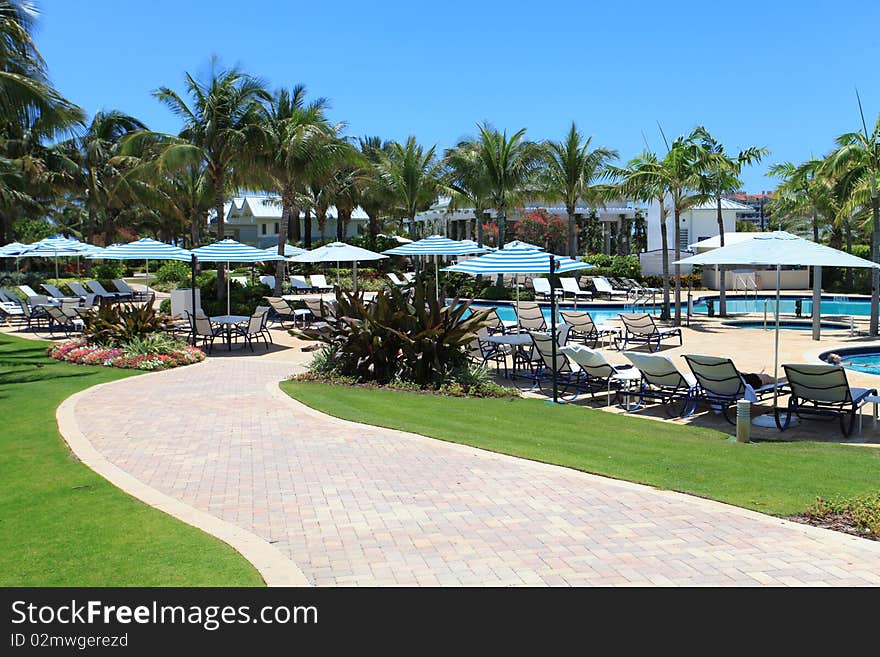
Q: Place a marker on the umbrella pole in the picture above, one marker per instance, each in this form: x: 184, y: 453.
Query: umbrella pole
x: 228, y: 289
x: 354, y: 276
x: 192, y: 264
x: 436, y: 277
x: 553, y: 332
x: 516, y: 285
x: 776, y: 347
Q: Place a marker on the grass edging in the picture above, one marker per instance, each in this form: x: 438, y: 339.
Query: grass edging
x: 779, y: 479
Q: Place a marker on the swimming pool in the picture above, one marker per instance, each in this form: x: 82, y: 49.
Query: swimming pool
x: 787, y: 305
x: 805, y: 325
x: 600, y: 314
x: 861, y: 359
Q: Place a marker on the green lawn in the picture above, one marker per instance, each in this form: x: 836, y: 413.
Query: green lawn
x: 776, y: 478
x: 63, y: 525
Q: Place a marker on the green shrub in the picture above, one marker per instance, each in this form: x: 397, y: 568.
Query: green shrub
x: 107, y: 270
x: 173, y: 271
x: 14, y: 278
x: 324, y: 361
x: 243, y: 299
x: 119, y: 324
x: 165, y: 306
x: 614, y: 265
x: 153, y: 343
x: 418, y: 341
x: 861, y: 512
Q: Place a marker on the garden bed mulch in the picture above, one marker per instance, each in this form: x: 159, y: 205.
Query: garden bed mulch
x: 839, y: 522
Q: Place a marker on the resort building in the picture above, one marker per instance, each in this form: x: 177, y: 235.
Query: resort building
x: 256, y: 220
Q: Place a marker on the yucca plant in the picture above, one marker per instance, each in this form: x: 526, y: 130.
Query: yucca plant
x: 392, y: 338
x: 119, y: 324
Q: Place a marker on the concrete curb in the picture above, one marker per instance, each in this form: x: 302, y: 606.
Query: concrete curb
x: 273, y: 565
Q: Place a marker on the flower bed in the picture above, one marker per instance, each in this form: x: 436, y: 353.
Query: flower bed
x: 82, y: 353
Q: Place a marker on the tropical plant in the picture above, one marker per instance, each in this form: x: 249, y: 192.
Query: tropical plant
x: 719, y: 175
x: 539, y: 227
x: 391, y: 338
x: 411, y: 174
x: 466, y: 178
x: 375, y: 196
x: 571, y: 166
x: 114, y: 325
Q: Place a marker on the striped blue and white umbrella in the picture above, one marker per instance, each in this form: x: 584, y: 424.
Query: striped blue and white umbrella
x: 517, y: 244
x: 145, y: 249
x: 58, y: 246
x: 229, y: 251
x: 436, y: 245
x: 12, y: 250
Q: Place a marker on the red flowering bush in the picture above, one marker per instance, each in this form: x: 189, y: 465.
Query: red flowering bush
x: 490, y: 234
x: 90, y: 354
x: 541, y: 229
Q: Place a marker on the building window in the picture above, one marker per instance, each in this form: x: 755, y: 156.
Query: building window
x: 276, y: 228
x: 263, y: 228
x: 683, y: 240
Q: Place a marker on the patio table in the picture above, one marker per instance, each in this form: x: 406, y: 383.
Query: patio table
x: 229, y: 321
x: 517, y: 342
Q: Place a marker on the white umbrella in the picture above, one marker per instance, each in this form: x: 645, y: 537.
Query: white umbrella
x: 775, y: 249
x: 145, y: 249
x: 338, y: 252
x: 58, y: 246
x: 228, y: 251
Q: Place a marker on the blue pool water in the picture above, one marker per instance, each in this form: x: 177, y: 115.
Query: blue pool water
x: 795, y: 326
x: 857, y: 307
x: 600, y: 315
x: 869, y: 363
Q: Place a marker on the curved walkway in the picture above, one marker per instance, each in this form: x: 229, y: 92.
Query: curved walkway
x: 358, y: 505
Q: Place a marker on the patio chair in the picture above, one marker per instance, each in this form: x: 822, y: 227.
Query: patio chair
x: 498, y: 325
x: 638, y: 288
x: 410, y: 276
x: 268, y: 281
x: 69, y: 324
x: 10, y: 308
x: 28, y: 291
x: 722, y: 384
x: 282, y: 312
x: 542, y: 286
x: 482, y: 352
x: 641, y: 328
x: 78, y: 290
x: 568, y: 377
x: 33, y: 316
x: 570, y: 286
x: 53, y: 291
x: 602, y: 286
x: 662, y: 381
x: 97, y: 288
x: 298, y: 284
x: 396, y: 281
x: 321, y: 310
x: 583, y: 328
x: 620, y: 284
x: 532, y: 319
x: 255, y: 328
x: 202, y: 329
x: 319, y: 281
x: 124, y: 288
x: 822, y: 391
x: 600, y: 376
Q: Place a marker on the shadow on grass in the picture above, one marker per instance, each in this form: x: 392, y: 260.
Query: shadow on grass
x: 37, y: 374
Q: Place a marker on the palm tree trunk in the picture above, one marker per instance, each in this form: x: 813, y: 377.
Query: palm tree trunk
x: 294, y: 228
x: 722, y: 282
x: 282, y: 241
x: 677, y: 270
x: 90, y: 236
x: 339, y: 230
x: 373, y: 228
x: 478, y: 224
x: 572, y: 237
x: 307, y: 229
x: 221, y: 233
x: 194, y: 225
x: 815, y: 227
x: 849, y: 270
x: 664, y: 243
x: 875, y: 256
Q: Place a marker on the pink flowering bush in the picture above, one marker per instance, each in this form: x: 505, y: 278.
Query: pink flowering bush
x: 89, y: 354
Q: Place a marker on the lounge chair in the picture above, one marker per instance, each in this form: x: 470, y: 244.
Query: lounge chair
x: 321, y: 310
x: 10, y: 308
x: 583, y: 328
x: 542, y: 287
x: 53, y: 291
x: 676, y: 391
x: 28, y: 291
x: 69, y: 324
x: 124, y: 288
x: 498, y: 325
x: 598, y: 375
x: 319, y: 281
x: 298, y: 284
x: 570, y: 286
x: 97, y: 288
x: 33, y: 316
x: 532, y: 319
x: 396, y: 281
x: 638, y: 288
x: 722, y: 384
x: 602, y: 286
x: 482, y: 352
x: 410, y: 276
x: 567, y: 376
x: 268, y: 281
x: 80, y: 291
x: 282, y: 312
x: 822, y: 391
x: 641, y: 328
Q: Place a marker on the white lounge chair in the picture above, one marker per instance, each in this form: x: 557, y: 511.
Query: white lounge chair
x: 641, y: 328
x: 542, y: 286
x: 319, y: 281
x: 28, y: 291
x: 604, y: 287
x: 396, y: 281
x: 601, y: 376
x: 299, y: 284
x: 570, y: 286
x: 410, y: 276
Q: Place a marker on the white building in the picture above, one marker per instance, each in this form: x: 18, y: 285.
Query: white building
x: 697, y: 224
x: 256, y: 220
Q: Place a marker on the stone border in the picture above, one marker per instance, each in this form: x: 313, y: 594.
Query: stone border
x: 541, y: 467
x: 274, y: 566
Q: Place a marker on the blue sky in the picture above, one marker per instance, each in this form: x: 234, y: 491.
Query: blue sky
x: 778, y: 74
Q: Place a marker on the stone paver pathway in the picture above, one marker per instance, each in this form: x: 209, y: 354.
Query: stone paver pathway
x: 356, y: 505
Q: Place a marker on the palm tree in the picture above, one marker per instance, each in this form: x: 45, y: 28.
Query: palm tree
x: 411, y: 174
x: 223, y: 129
x: 375, y: 196
x: 466, y: 177
x: 570, y: 167
x: 719, y: 176
x: 858, y: 156
x: 510, y: 165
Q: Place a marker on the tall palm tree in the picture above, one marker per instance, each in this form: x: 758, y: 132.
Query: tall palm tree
x: 411, y: 174
x: 720, y: 175
x: 468, y: 180
x: 571, y: 166
x: 858, y: 155
x: 223, y: 128
x: 375, y: 196
x: 511, y: 164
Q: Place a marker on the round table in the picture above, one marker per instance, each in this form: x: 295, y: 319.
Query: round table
x: 229, y: 321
